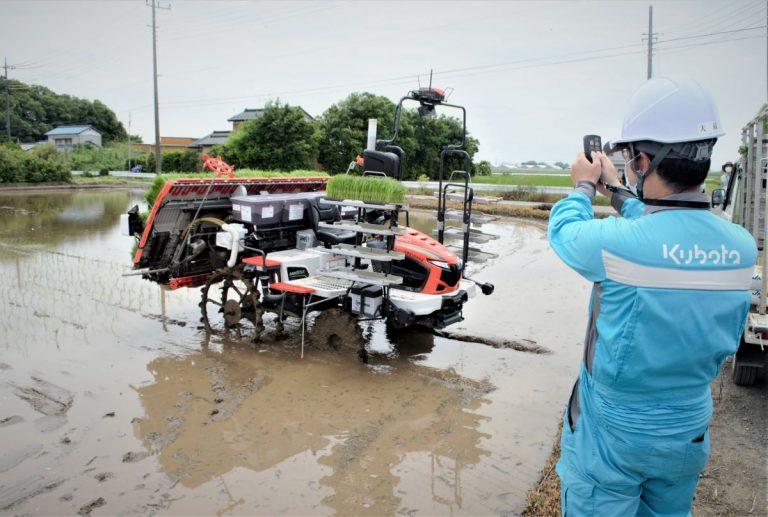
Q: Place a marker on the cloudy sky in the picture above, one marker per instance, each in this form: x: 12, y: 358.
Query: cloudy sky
x: 534, y: 75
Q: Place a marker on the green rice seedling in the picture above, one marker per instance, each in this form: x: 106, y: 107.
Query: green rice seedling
x: 366, y: 188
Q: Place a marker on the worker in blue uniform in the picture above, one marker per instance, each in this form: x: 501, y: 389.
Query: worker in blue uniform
x: 669, y: 302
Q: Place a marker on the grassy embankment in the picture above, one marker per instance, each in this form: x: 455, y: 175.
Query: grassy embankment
x: 552, y: 178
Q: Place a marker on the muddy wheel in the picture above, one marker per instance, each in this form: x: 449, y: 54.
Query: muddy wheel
x: 230, y: 304
x: 336, y: 329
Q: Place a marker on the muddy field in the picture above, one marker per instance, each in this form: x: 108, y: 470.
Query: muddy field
x: 114, y: 401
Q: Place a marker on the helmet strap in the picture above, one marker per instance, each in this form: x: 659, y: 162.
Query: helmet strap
x: 663, y: 152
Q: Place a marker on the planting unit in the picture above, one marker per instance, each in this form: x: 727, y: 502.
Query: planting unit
x: 280, y: 245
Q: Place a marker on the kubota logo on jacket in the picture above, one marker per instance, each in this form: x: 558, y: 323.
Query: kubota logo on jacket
x: 697, y: 255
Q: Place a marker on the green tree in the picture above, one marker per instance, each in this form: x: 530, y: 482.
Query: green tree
x: 431, y: 135
x: 344, y: 128
x: 41, y: 164
x: 483, y: 168
x: 36, y: 110
x: 280, y: 139
x: 187, y: 161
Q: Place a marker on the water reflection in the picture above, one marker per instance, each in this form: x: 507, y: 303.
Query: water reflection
x: 51, y: 218
x: 208, y: 413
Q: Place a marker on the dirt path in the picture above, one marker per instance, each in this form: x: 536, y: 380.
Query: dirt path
x: 735, y: 480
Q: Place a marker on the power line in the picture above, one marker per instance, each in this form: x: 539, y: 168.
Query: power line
x: 715, y: 20
x: 560, y: 59
x: 714, y: 33
x: 696, y: 45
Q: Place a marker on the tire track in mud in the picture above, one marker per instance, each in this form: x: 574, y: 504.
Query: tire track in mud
x: 22, y: 490
x: 525, y: 345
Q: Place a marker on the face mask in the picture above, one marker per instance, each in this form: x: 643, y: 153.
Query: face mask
x: 629, y: 162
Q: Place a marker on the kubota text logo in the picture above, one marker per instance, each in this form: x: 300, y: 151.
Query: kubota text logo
x: 697, y: 255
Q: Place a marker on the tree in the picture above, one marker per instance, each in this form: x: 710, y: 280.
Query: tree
x: 344, y: 128
x: 431, y: 135
x: 562, y: 165
x: 280, y: 139
x: 187, y: 161
x: 43, y: 163
x: 36, y: 110
x: 483, y: 168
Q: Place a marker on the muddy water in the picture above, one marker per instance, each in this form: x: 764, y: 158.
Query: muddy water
x: 114, y: 401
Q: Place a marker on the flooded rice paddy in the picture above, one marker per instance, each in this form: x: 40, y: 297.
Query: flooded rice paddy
x: 114, y: 401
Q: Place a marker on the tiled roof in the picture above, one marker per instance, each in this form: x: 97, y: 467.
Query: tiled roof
x: 252, y: 113
x: 246, y: 114
x: 217, y: 137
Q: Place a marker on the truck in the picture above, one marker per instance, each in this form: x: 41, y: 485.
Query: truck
x: 744, y: 203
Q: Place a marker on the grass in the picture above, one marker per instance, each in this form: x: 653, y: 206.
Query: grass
x: 540, y: 212
x: 562, y: 180
x: 543, y: 500
x: 366, y: 188
x: 527, y: 193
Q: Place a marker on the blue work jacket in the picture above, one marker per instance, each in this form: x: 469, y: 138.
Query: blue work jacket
x: 669, y: 303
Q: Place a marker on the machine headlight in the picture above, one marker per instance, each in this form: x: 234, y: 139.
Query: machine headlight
x: 440, y: 264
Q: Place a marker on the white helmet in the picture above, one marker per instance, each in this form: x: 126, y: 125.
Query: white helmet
x: 667, y: 110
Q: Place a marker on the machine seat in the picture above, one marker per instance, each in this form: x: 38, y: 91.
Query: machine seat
x: 322, y: 213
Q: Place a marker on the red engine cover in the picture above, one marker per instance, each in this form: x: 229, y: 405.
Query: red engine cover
x: 422, y: 248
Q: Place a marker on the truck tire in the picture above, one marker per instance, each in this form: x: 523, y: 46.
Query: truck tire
x: 743, y: 375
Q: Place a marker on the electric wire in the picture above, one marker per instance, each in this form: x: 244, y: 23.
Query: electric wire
x: 521, y: 64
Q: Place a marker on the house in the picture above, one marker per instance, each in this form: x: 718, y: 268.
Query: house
x: 252, y: 113
x: 205, y: 144
x: 168, y: 144
x: 66, y: 137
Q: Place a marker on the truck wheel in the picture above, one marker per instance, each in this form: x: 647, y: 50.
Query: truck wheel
x: 743, y: 375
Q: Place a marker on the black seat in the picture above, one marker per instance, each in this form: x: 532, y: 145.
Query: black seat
x: 321, y: 212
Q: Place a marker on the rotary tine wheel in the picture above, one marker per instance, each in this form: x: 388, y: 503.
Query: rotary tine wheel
x: 231, y: 304
x: 337, y: 330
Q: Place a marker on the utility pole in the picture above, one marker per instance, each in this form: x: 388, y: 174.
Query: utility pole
x: 158, y: 161
x: 129, y: 141
x: 650, y: 41
x: 7, y: 101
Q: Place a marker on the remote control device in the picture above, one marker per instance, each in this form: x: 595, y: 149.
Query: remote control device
x: 592, y: 143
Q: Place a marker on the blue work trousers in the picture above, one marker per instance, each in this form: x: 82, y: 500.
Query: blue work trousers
x: 604, y: 474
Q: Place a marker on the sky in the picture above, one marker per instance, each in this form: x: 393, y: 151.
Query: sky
x: 534, y: 76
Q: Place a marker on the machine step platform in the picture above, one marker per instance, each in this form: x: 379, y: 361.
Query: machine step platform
x: 475, y: 254
x: 474, y: 235
x: 375, y: 229
x: 367, y: 277
x: 320, y: 285
x: 350, y: 250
